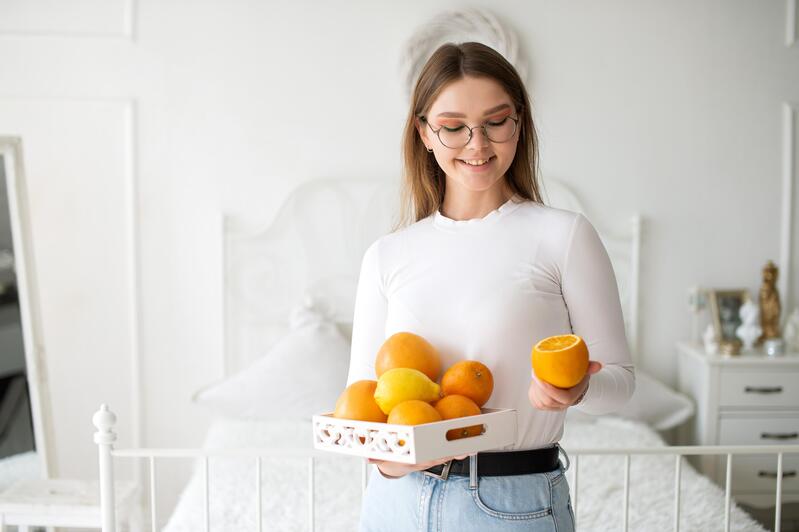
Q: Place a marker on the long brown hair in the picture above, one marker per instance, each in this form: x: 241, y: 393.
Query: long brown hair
x: 424, y: 182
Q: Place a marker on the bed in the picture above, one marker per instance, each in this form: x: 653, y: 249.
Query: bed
x: 289, y: 294
x: 337, y: 484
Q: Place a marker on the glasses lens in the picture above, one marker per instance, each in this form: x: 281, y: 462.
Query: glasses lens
x: 501, y: 131
x: 454, y: 137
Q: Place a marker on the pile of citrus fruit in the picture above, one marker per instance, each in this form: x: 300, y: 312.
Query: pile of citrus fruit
x: 408, y: 390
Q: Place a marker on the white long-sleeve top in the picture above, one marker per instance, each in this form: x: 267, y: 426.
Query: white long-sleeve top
x: 489, y: 289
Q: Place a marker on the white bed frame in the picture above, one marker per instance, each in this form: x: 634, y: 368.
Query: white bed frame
x: 351, y: 214
x: 105, y: 420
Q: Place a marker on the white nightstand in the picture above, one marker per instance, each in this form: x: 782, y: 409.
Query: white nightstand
x: 743, y: 400
x: 65, y: 503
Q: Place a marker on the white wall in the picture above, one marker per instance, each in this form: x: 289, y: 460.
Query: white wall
x: 142, y: 120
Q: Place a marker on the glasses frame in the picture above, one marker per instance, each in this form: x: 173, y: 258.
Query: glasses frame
x: 471, y: 132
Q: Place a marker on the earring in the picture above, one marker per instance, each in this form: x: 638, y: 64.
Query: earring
x: 429, y: 149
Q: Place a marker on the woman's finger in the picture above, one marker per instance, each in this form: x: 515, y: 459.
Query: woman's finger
x: 594, y: 367
x: 558, y: 395
x: 562, y: 396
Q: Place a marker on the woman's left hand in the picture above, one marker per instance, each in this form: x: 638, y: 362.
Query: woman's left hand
x: 544, y: 396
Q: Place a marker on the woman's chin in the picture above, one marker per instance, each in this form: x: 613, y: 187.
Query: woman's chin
x: 478, y: 183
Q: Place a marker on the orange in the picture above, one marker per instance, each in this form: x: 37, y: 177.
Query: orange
x: 357, y: 402
x: 455, y: 406
x: 470, y: 378
x: 408, y: 350
x: 413, y: 412
x: 560, y: 360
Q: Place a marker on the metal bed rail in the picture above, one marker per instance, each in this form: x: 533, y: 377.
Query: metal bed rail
x: 105, y: 437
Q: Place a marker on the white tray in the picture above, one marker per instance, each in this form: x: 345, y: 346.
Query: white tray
x: 421, y: 443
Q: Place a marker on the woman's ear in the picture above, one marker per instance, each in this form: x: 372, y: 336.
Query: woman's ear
x: 420, y: 127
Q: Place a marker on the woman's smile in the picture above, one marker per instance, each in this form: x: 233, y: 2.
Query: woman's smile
x: 477, y: 165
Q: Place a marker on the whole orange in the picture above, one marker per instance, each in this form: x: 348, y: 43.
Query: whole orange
x: 455, y: 406
x: 413, y: 412
x: 408, y: 350
x: 560, y: 360
x: 357, y: 402
x: 470, y: 378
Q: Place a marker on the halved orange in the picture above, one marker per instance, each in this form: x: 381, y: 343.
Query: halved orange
x: 560, y: 360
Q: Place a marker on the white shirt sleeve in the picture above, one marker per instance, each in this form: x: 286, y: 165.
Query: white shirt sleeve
x: 369, y: 319
x: 592, y: 298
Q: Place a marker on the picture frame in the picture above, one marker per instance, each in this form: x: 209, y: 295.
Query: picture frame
x: 725, y: 306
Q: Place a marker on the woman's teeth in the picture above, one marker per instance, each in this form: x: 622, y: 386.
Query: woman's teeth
x: 478, y: 162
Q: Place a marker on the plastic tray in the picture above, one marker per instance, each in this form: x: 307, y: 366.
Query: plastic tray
x: 413, y: 444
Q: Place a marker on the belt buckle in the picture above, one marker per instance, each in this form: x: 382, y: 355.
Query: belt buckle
x: 444, y: 472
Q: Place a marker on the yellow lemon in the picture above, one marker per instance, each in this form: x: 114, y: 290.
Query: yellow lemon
x: 404, y: 384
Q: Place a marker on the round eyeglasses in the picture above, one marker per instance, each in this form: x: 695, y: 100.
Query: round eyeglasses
x: 458, y: 137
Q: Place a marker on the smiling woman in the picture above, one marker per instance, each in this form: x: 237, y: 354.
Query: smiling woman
x: 474, y: 159
x: 476, y: 124
x: 486, y: 270
x: 499, y: 129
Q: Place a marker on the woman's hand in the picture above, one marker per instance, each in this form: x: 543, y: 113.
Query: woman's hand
x: 544, y: 396
x: 397, y: 469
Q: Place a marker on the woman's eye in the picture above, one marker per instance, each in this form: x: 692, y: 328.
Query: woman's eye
x: 453, y: 129
x: 498, y: 123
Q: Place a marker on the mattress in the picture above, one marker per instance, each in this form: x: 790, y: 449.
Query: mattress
x: 284, y: 483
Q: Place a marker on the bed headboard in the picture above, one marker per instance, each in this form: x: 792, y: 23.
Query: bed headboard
x: 313, y: 249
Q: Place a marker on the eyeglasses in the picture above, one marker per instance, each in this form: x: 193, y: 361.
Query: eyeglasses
x: 459, y: 137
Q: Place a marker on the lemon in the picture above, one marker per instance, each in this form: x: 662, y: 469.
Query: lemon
x: 404, y: 384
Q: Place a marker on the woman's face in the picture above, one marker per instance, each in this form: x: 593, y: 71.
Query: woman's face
x: 471, y: 101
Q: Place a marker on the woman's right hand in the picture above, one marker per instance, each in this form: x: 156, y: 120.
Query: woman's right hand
x: 398, y: 469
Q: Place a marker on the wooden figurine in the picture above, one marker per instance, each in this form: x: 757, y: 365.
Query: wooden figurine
x: 769, y: 303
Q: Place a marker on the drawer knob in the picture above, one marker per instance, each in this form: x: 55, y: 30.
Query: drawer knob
x: 763, y: 389
x: 773, y: 474
x: 779, y: 436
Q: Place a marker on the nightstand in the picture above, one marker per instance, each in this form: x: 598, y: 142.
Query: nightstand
x: 743, y: 400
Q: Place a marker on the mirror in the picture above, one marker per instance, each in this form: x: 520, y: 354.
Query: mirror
x: 25, y: 426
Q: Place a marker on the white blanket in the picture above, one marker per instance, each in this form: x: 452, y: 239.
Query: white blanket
x: 338, y: 484
x: 23, y: 466
x: 284, y: 484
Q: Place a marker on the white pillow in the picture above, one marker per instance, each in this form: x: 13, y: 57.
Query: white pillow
x: 656, y: 404
x: 301, y: 375
x: 652, y: 403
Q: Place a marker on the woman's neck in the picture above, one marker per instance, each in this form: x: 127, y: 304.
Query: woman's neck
x: 467, y: 204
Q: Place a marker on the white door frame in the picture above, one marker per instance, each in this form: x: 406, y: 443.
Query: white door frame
x: 27, y: 287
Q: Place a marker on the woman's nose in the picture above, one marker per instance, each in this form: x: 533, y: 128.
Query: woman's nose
x: 481, y: 132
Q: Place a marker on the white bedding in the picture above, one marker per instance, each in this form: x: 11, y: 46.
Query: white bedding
x: 19, y: 466
x: 284, y: 483
x: 338, y: 484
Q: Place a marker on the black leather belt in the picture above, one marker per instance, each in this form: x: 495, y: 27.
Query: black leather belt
x: 501, y: 464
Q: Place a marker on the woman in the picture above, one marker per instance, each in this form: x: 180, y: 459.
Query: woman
x: 484, y: 272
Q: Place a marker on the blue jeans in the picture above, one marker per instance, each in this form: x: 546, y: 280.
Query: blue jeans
x: 417, y: 502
